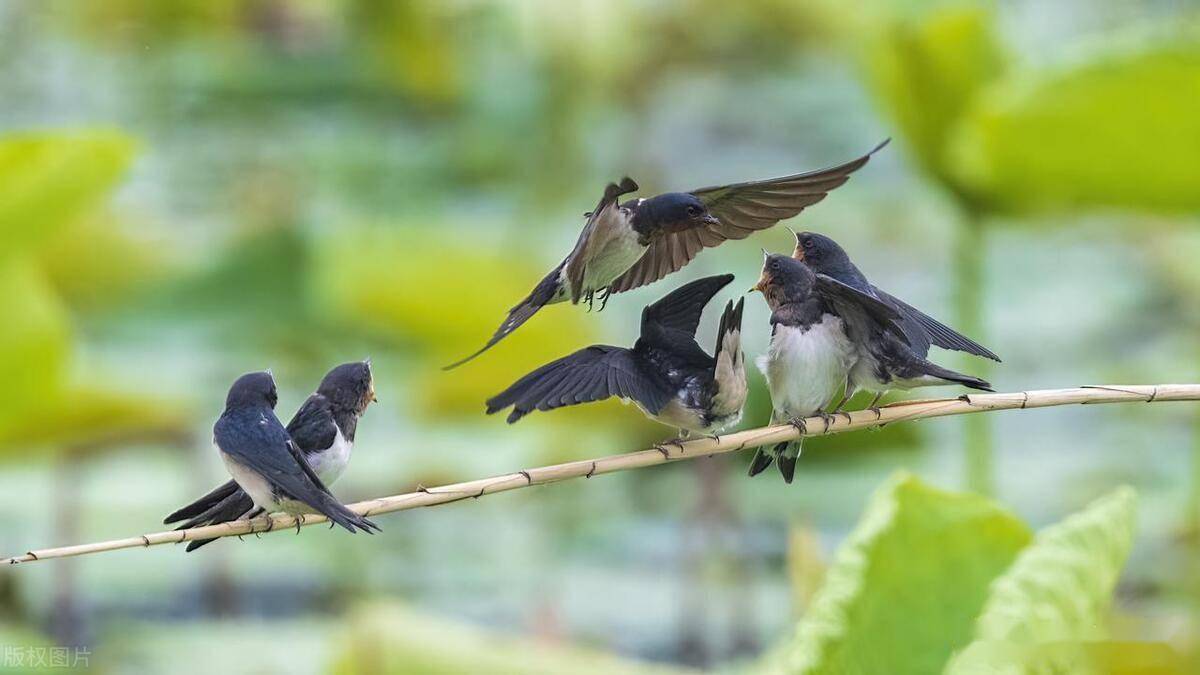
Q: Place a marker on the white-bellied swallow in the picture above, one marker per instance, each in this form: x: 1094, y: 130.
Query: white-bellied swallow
x: 666, y: 374
x: 888, y: 363
x: 323, y: 428
x: 266, y: 463
x: 816, y: 321
x: 825, y: 256
x: 631, y: 244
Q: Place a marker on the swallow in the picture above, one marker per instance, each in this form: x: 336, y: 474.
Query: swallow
x: 825, y: 256
x: 816, y: 321
x: 666, y: 373
x: 625, y: 245
x: 323, y: 428
x: 266, y: 463
x: 888, y: 363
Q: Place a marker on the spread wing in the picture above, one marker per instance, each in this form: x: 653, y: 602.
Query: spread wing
x: 860, y: 311
x: 740, y: 210
x: 680, y: 309
x: 312, y: 427
x: 604, y: 221
x: 935, y: 331
x: 590, y: 374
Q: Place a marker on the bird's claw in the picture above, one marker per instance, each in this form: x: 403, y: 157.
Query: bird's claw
x: 799, y: 424
x: 299, y: 522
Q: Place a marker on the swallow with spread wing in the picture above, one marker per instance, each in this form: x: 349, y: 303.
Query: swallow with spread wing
x: 666, y: 374
x: 625, y: 245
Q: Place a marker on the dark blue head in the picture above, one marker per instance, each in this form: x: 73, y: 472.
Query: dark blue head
x: 824, y: 256
x: 672, y: 212
x: 253, y: 390
x: 349, y: 387
x: 784, y: 280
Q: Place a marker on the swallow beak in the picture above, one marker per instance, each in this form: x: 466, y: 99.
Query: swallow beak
x: 710, y: 219
x: 761, y: 286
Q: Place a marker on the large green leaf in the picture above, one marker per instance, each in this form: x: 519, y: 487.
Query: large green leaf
x: 905, y: 587
x: 1121, y: 129
x: 1060, y: 587
x: 49, y: 179
x: 926, y: 70
x: 1057, y: 593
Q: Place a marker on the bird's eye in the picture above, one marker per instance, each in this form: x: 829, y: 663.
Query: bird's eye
x: 808, y: 243
x: 692, y: 210
x: 775, y: 265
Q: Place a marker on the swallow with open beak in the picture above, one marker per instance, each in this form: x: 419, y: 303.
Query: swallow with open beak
x: 816, y: 322
x: 887, y: 363
x: 625, y: 245
x: 666, y: 374
x: 322, y: 430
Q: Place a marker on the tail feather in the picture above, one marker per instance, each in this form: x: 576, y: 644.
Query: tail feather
x: 235, y: 507
x: 208, y: 501
x: 539, y: 297
x: 951, y: 376
x: 787, y: 453
x: 334, y: 510
x: 762, y: 459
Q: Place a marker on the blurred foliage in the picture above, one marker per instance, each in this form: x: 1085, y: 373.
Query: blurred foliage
x: 96, y: 263
x: 50, y: 179
x: 58, y: 180
x: 1118, y: 129
x: 947, y: 560
x: 926, y: 70
x: 389, y: 639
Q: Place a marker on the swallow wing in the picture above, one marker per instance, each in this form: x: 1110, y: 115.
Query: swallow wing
x: 680, y: 309
x: 860, y: 312
x: 935, y: 331
x: 590, y: 374
x: 312, y: 427
x: 741, y: 209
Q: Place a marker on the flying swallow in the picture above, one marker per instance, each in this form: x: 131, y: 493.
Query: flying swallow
x: 323, y: 428
x: 625, y: 245
x: 666, y: 374
x: 816, y: 321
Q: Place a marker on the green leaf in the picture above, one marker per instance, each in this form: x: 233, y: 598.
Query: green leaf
x: 904, y: 588
x: 1059, y: 589
x: 49, y: 179
x: 927, y: 69
x: 1076, y: 658
x: 1119, y: 130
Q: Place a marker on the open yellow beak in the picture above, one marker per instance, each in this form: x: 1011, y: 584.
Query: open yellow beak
x: 761, y: 286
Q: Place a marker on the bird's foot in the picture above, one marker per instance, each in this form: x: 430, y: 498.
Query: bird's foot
x: 299, y: 522
x: 604, y: 299
x: 590, y: 299
x: 826, y: 418
x: 799, y: 424
x: 663, y: 449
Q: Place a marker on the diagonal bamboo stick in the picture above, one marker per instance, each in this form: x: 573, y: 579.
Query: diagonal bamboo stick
x: 701, y: 447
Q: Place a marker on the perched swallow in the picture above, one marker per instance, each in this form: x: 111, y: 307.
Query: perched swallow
x: 323, y: 428
x: 631, y: 244
x: 825, y: 256
x: 264, y: 460
x: 816, y: 322
x: 670, y: 378
x: 889, y: 363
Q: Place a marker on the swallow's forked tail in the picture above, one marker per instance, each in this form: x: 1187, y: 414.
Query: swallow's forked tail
x: 543, y: 294
x: 953, y: 377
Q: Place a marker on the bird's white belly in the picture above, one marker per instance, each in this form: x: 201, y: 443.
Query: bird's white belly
x: 331, y: 462
x: 806, y: 367
x: 251, y: 482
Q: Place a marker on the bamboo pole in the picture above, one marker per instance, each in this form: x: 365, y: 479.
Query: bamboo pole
x: 903, y: 411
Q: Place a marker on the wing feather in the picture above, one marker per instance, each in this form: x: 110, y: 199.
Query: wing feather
x: 740, y: 210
